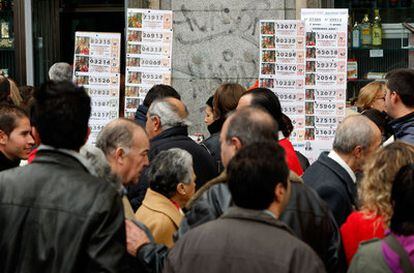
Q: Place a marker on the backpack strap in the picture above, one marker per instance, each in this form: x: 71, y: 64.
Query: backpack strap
x: 405, y: 262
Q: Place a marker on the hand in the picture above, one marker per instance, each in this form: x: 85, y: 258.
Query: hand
x: 135, y: 237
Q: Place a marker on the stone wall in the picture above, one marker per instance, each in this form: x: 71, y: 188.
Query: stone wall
x: 217, y: 42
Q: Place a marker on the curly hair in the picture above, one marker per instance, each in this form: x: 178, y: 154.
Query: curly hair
x: 379, y: 173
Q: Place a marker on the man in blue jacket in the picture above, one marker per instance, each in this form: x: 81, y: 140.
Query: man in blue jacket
x: 399, y: 103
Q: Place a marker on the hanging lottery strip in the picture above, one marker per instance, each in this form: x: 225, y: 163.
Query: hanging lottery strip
x: 282, y: 68
x: 96, y: 68
x: 304, y: 63
x: 148, y: 54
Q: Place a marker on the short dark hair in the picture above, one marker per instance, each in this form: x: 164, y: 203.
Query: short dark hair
x: 61, y: 113
x: 265, y: 98
x: 401, y: 81
x: 402, y: 192
x: 160, y: 91
x: 251, y: 125
x: 9, y: 114
x: 253, y: 174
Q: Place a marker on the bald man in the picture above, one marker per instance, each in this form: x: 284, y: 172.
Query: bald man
x: 125, y: 145
x: 167, y: 127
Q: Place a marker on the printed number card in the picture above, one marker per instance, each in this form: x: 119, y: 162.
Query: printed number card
x: 97, y: 68
x: 148, y: 54
x: 282, y: 68
x: 325, y: 77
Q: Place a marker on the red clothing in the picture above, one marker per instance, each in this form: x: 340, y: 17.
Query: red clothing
x: 357, y: 229
x: 291, y: 157
x: 32, y: 155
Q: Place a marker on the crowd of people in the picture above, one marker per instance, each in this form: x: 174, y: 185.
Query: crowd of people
x: 148, y: 198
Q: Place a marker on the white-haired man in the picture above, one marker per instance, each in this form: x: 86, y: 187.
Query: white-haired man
x: 332, y: 176
x: 167, y: 127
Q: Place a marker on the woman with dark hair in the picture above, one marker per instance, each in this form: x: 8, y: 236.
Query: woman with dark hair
x: 224, y: 101
x: 395, y: 253
x: 266, y: 99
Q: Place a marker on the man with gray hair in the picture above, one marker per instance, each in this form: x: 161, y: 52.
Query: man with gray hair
x: 60, y: 72
x: 167, y: 127
x: 332, y: 176
x: 125, y: 145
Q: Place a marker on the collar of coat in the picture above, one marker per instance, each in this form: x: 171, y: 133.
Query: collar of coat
x: 158, y: 202
x: 70, y: 159
x: 222, y: 178
x: 255, y: 216
x: 171, y: 132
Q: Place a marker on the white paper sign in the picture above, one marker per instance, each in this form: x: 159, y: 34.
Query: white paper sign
x: 282, y: 68
x: 325, y: 78
x: 96, y: 68
x: 148, y: 54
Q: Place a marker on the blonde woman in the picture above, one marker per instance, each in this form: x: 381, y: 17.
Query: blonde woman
x: 372, y: 96
x: 9, y: 92
x: 374, y: 194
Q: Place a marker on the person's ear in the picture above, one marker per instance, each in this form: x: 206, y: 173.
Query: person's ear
x: 119, y: 155
x: 157, y: 123
x: 236, y: 143
x: 181, y: 188
x: 280, y: 192
x: 357, y: 152
x: 3, y: 137
x: 394, y: 97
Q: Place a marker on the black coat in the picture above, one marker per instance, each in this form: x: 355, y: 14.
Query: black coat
x: 212, y: 144
x: 242, y: 241
x: 176, y: 137
x: 334, y: 185
x: 6, y: 163
x: 56, y: 217
x: 306, y: 214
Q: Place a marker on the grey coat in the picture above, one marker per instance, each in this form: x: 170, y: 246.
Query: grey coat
x: 369, y: 258
x: 242, y: 241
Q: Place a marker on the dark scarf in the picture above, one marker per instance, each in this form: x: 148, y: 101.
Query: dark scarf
x: 6, y: 163
x: 215, y: 127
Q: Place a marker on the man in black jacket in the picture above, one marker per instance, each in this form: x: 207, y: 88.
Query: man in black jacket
x: 399, y: 103
x: 332, y: 176
x: 306, y: 214
x: 54, y: 215
x: 15, y: 139
x: 167, y: 127
x: 158, y: 91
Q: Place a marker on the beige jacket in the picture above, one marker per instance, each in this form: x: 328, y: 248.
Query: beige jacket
x: 161, y: 216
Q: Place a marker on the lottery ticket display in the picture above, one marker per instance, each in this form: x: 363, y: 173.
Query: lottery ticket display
x: 148, y: 54
x: 325, y: 77
x: 96, y: 67
x: 282, y: 68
